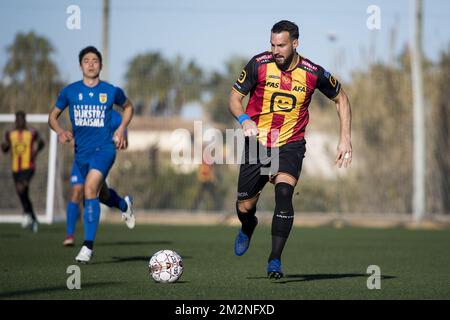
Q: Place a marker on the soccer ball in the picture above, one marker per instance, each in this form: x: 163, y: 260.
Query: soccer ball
x: 166, y: 266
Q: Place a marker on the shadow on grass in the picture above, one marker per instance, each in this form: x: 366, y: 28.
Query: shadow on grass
x: 18, y: 293
x: 10, y: 236
x: 123, y: 259
x: 133, y: 243
x: 321, y: 276
x: 130, y: 259
x: 170, y: 284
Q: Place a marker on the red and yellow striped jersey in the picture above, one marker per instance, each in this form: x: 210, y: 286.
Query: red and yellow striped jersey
x: 21, y: 142
x: 279, y: 99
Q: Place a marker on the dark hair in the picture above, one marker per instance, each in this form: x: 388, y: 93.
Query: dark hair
x: 288, y: 26
x: 20, y: 113
x: 89, y: 49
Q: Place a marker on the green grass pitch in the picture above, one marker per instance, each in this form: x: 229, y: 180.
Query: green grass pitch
x: 319, y: 263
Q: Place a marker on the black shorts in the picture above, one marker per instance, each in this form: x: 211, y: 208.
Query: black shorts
x: 23, y: 176
x: 258, y: 167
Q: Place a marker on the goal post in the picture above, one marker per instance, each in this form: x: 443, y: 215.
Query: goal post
x: 49, y: 216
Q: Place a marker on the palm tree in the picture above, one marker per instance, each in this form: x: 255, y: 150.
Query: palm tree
x: 161, y: 87
x: 32, y: 79
x: 220, y: 85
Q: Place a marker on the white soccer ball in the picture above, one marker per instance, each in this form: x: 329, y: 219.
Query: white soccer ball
x: 166, y: 266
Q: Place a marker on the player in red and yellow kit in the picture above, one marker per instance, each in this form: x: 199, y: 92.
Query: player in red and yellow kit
x: 281, y: 84
x: 21, y: 141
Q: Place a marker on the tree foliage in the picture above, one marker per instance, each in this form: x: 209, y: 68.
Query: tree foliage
x: 162, y: 87
x: 31, y: 78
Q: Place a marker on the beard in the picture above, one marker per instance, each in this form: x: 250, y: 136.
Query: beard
x: 287, y: 62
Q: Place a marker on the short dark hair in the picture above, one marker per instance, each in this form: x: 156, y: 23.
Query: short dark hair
x: 285, y: 25
x: 20, y: 113
x: 89, y: 49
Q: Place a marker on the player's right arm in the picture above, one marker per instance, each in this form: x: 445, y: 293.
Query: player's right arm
x: 243, y: 85
x: 237, y: 110
x: 6, y: 145
x: 62, y: 102
x: 64, y: 136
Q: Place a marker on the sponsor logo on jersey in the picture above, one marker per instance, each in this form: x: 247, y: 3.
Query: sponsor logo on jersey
x: 89, y: 115
x: 309, y: 65
x: 299, y: 88
x: 333, y: 81
x: 103, y: 97
x: 264, y: 58
x: 272, y: 84
x: 20, y: 148
x: 281, y: 101
x: 242, y: 76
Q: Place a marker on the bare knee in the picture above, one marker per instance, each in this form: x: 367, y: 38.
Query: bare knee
x: 285, y: 178
x: 77, y: 193
x: 90, y: 191
x: 246, y: 205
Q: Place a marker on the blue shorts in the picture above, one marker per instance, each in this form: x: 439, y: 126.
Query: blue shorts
x: 101, y: 159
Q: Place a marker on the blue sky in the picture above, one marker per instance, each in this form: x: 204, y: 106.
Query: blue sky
x: 210, y: 32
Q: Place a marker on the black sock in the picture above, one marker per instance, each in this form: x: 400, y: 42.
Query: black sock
x: 26, y: 203
x: 248, y: 220
x: 283, y: 218
x: 277, y: 247
x: 89, y: 244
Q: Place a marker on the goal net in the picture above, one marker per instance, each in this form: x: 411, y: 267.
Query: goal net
x: 47, y: 186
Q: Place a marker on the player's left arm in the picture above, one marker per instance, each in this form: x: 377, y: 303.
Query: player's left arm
x: 344, y: 149
x: 120, y: 136
x: 332, y: 88
x: 40, y: 144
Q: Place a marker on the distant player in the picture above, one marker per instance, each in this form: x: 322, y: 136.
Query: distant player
x: 108, y: 196
x: 22, y: 142
x: 90, y: 103
x: 281, y: 84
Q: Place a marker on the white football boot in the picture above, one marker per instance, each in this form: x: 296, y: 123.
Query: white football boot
x: 128, y: 216
x: 26, y: 221
x: 85, y: 255
x: 34, y: 226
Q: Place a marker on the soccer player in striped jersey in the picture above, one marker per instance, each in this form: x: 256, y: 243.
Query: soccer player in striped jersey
x: 108, y: 196
x: 90, y: 103
x: 281, y: 83
x: 25, y: 144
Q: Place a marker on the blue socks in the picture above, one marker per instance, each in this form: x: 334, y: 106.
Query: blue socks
x: 114, y: 201
x: 72, y: 217
x: 91, y: 218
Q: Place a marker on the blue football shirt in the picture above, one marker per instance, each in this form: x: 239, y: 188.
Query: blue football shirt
x: 90, y: 111
x: 116, y: 120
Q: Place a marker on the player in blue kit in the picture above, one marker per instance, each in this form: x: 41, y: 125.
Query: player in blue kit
x: 90, y: 103
x: 108, y: 196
